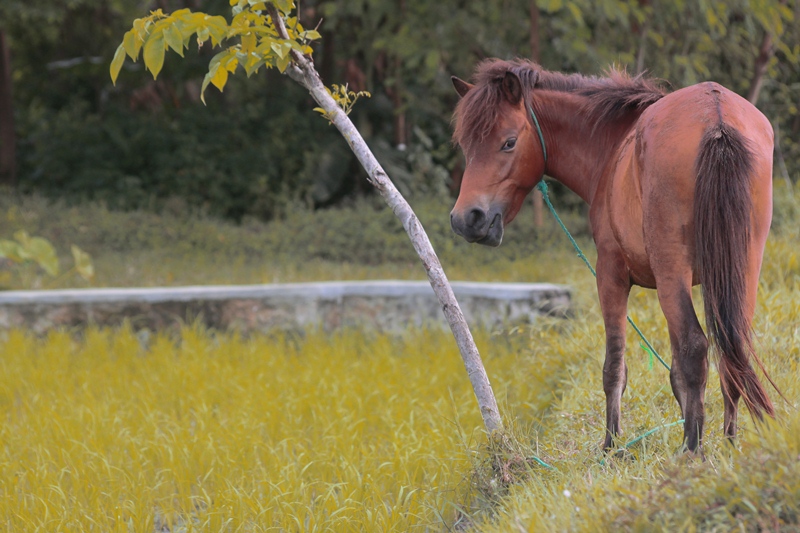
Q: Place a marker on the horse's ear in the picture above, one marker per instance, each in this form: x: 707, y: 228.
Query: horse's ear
x: 462, y: 87
x: 512, y: 87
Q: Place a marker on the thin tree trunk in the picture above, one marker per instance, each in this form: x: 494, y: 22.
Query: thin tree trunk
x: 534, y: 37
x: 536, y: 200
x: 641, y: 31
x: 765, y: 52
x: 399, y: 122
x: 8, y: 136
x: 302, y: 71
x: 400, y: 140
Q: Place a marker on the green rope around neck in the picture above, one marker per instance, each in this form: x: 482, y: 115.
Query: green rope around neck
x: 539, y: 131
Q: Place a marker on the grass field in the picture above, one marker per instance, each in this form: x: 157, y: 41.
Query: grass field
x: 203, y: 431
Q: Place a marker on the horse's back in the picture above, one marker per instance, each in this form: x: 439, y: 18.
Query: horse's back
x: 652, y: 190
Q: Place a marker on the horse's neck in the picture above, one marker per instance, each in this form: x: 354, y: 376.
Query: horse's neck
x: 577, y: 153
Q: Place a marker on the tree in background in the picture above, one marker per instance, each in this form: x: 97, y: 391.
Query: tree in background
x: 69, y: 120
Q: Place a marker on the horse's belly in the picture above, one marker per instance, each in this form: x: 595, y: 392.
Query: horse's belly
x: 624, y: 206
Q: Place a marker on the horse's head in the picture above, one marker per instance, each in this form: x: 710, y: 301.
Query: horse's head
x: 504, y: 156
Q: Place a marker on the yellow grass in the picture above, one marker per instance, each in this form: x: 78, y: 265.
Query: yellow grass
x: 197, y: 431
x: 219, y: 433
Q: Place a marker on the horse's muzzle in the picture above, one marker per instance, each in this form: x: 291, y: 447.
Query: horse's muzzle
x: 477, y: 225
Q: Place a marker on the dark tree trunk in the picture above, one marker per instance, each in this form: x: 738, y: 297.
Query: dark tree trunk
x: 8, y: 137
x: 641, y: 31
x: 398, y: 100
x: 535, y: 53
x: 399, y: 110
x: 536, y: 200
x: 765, y: 52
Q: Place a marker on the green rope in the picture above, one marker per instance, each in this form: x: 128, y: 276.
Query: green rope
x: 542, y: 186
x: 648, y: 433
x: 539, y: 131
x: 541, y: 463
x: 624, y: 447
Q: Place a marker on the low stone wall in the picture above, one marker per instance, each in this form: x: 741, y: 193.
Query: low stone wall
x: 384, y: 305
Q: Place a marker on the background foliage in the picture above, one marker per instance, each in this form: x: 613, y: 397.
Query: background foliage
x: 257, y: 150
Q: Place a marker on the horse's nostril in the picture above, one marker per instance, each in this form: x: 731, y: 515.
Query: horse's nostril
x: 475, y: 217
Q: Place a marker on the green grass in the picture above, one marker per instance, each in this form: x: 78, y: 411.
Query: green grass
x: 362, y: 241
x: 197, y: 430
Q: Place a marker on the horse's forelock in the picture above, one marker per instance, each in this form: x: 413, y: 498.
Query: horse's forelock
x: 476, y: 113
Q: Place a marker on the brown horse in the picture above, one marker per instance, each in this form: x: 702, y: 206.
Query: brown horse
x: 679, y: 188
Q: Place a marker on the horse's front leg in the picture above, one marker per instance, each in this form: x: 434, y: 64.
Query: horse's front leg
x: 613, y: 288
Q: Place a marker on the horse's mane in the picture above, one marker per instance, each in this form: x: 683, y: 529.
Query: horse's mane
x: 607, y: 98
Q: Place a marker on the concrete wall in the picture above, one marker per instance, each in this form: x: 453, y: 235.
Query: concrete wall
x: 384, y: 305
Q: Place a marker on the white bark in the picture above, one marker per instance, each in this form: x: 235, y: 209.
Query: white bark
x: 303, y: 72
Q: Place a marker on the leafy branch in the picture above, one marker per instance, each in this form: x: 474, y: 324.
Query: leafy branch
x: 27, y: 250
x: 344, y: 97
x: 259, y: 43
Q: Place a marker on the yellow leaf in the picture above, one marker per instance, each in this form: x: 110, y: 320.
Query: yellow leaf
x: 248, y: 42
x: 116, y: 63
x: 83, y: 263
x: 206, y: 81
x: 220, y: 78
x: 174, y: 39
x: 154, y: 52
x: 129, y: 43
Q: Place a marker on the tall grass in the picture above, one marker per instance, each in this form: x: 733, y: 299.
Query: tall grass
x: 215, y: 432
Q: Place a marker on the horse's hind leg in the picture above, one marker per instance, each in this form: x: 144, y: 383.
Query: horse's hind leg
x: 731, y: 400
x: 689, y: 372
x: 613, y: 287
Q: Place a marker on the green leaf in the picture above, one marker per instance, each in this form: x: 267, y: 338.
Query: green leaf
x: 83, y: 263
x: 116, y: 63
x: 42, y: 252
x: 154, y: 52
x: 11, y: 250
x: 174, y: 39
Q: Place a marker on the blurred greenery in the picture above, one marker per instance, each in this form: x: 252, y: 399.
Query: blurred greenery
x: 258, y: 151
x: 360, y: 239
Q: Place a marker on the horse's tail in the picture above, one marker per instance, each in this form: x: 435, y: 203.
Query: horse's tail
x: 722, y: 221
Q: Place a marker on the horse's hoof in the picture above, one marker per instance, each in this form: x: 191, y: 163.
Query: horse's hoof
x: 697, y: 453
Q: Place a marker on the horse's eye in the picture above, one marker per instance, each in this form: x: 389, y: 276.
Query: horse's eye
x: 509, y: 144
